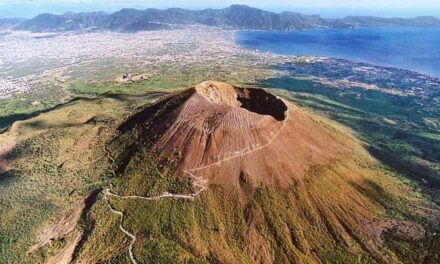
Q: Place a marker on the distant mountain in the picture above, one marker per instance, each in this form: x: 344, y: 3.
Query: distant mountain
x: 6, y: 23
x: 362, y: 21
x: 64, y: 22
x: 233, y: 17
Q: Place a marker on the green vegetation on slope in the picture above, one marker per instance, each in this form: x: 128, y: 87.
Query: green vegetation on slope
x: 391, y: 128
x: 405, y: 139
x: 56, y: 163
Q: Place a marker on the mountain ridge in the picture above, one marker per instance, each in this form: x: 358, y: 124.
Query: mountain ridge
x: 239, y: 17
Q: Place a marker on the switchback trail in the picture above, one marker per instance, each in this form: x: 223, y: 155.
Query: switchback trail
x: 198, y: 182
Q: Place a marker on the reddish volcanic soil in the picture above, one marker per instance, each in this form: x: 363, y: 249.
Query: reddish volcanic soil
x: 231, y: 136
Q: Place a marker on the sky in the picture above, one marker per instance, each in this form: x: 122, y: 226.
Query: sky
x: 326, y: 8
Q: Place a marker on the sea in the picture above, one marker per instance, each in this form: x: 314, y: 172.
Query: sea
x: 411, y: 48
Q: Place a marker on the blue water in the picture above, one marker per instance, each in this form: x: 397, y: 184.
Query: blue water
x: 415, y: 49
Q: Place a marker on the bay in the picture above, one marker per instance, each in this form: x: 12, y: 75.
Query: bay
x: 416, y: 49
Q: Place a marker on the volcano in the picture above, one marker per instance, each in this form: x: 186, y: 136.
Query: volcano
x: 229, y: 135
x: 222, y: 174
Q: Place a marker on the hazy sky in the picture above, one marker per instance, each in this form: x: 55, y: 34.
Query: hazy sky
x: 328, y: 8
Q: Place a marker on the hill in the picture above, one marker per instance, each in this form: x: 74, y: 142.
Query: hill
x: 223, y: 174
x: 233, y: 17
x: 64, y: 22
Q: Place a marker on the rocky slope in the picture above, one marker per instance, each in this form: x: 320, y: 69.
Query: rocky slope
x: 223, y: 174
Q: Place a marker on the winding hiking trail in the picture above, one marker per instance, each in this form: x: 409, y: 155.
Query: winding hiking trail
x: 198, y: 182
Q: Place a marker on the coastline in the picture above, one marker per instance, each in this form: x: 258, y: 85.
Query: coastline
x: 384, y: 51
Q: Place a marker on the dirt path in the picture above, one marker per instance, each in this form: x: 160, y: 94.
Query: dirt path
x: 198, y: 182
x: 121, y: 222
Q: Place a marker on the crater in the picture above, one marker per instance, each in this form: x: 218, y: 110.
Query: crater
x: 261, y: 102
x: 252, y: 99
